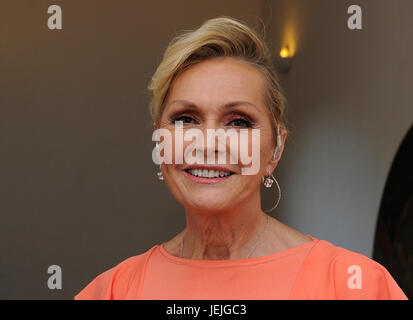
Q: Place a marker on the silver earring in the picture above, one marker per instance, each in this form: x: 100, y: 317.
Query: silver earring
x: 268, y: 183
x: 159, y: 173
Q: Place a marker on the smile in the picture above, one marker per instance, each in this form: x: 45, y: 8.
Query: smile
x: 202, y: 175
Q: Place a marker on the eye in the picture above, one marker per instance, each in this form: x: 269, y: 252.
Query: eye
x: 184, y: 119
x: 239, y: 122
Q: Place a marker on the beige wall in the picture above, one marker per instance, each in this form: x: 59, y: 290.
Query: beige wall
x: 350, y: 105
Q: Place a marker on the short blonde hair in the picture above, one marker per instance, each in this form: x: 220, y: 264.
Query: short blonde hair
x: 218, y: 37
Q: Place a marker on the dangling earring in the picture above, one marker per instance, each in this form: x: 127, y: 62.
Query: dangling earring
x: 159, y: 173
x: 268, y: 183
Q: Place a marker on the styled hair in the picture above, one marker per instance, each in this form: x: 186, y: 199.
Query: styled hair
x: 218, y: 37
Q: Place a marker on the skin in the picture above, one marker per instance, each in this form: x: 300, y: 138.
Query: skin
x: 224, y: 220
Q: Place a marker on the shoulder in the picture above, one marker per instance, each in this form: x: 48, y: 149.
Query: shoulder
x: 332, y: 272
x: 115, y: 282
x: 359, y: 277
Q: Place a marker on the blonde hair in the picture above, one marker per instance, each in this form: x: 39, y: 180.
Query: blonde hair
x: 218, y: 37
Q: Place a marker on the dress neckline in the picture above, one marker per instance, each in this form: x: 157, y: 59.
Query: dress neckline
x: 237, y: 262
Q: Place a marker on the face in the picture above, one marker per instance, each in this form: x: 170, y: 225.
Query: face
x: 220, y: 93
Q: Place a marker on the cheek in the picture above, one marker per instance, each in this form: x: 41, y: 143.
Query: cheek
x: 266, y: 148
x: 259, y: 148
x: 173, y: 145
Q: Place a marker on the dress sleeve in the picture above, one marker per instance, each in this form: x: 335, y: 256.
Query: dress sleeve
x: 113, y: 284
x: 356, y: 276
x: 117, y: 282
x: 99, y: 288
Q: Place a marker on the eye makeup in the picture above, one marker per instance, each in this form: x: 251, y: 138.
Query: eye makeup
x: 234, y: 119
x: 182, y: 116
x: 241, y: 118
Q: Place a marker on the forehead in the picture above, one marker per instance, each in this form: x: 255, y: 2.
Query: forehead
x: 219, y: 80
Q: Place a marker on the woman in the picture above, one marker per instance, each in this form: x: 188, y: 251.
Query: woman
x: 220, y: 76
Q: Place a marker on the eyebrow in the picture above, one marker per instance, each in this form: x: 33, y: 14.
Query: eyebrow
x: 227, y: 105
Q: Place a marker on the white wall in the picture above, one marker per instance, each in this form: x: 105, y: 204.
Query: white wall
x: 350, y: 105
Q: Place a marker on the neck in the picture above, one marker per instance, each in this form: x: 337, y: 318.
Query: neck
x: 223, y: 235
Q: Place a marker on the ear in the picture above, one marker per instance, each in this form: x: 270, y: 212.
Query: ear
x: 155, y: 125
x: 272, y: 163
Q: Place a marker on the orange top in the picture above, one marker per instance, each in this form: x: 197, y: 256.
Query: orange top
x: 313, y: 270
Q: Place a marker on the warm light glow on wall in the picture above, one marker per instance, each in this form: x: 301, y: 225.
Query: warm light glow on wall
x: 289, y: 38
x: 285, y: 52
x: 288, y: 47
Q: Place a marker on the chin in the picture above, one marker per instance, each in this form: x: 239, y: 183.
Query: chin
x: 209, y: 202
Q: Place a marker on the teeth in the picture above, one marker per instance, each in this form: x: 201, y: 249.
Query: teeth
x: 208, y: 173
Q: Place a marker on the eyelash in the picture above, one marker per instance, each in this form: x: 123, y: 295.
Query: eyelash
x: 247, y: 123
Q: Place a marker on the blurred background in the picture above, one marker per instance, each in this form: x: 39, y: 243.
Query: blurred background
x: 78, y: 187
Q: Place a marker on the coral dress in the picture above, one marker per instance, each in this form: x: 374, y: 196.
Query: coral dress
x: 313, y: 270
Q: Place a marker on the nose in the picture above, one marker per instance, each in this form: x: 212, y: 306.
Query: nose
x: 212, y: 144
